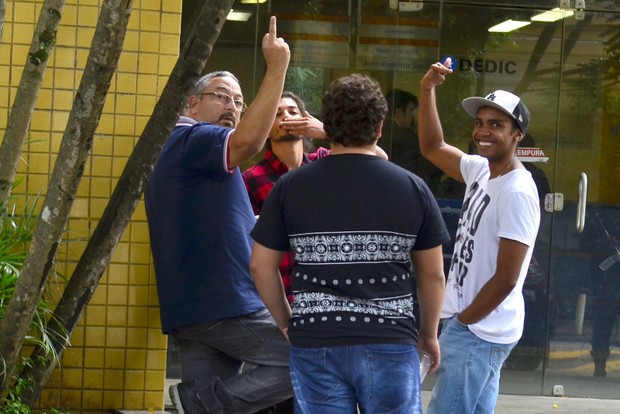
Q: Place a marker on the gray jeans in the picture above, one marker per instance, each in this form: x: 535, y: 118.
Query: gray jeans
x: 237, y: 365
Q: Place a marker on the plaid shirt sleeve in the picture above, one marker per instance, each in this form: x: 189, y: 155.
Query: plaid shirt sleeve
x: 259, y: 180
x: 258, y: 186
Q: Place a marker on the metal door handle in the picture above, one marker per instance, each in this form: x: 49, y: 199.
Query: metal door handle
x: 581, y: 202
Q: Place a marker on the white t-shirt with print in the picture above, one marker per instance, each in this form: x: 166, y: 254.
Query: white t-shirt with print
x: 503, y: 207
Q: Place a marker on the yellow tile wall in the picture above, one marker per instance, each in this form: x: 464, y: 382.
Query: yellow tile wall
x: 117, y: 359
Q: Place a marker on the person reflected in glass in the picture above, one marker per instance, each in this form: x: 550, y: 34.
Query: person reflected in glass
x: 601, y: 239
x: 399, y: 138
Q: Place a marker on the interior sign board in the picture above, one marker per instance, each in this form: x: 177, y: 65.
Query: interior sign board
x: 397, y: 44
x: 531, y: 154
x: 319, y: 41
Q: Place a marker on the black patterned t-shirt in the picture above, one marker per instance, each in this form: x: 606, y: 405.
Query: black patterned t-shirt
x: 352, y: 221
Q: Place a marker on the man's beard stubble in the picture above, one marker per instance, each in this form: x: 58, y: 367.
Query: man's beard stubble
x: 287, y: 138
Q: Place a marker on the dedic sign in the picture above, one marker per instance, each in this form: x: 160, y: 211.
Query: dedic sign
x: 483, y: 65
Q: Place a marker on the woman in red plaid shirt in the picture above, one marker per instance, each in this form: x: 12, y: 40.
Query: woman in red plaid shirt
x: 284, y: 152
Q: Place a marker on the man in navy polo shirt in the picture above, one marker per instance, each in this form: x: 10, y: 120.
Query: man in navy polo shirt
x: 200, y: 220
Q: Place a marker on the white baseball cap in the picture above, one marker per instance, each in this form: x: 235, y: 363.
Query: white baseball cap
x: 507, y: 102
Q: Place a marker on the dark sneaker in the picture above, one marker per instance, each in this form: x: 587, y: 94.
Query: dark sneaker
x: 185, y: 400
x: 600, y: 370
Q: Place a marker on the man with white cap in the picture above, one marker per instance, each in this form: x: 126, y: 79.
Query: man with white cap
x: 483, y: 309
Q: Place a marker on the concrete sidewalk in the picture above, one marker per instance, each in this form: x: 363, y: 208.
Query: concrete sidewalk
x: 522, y: 404
x: 508, y: 404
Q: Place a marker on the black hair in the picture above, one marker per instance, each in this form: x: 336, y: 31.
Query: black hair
x: 353, y: 110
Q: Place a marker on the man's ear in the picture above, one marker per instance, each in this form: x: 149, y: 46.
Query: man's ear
x: 193, y: 101
x: 380, y: 130
x: 519, y: 136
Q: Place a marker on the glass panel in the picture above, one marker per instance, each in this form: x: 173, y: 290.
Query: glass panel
x: 524, y: 61
x: 585, y: 284
x: 559, y: 69
x: 567, y: 72
x: 396, y: 45
x: 319, y: 35
x: 237, y: 48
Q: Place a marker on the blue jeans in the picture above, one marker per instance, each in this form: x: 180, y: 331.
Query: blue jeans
x: 236, y: 365
x: 468, y: 377
x: 379, y: 378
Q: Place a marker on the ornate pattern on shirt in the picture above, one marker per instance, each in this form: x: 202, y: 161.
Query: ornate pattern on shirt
x: 351, y: 247
x: 309, y: 303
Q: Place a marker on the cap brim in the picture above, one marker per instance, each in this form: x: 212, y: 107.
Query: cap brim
x: 472, y: 106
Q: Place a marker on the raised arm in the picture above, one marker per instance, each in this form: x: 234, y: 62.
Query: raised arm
x: 253, y: 129
x: 432, y: 145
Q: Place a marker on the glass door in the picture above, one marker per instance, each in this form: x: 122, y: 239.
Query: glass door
x: 526, y: 61
x: 583, y: 337
x: 564, y: 64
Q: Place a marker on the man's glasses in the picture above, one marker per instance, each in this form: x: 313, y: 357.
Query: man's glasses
x: 226, y: 99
